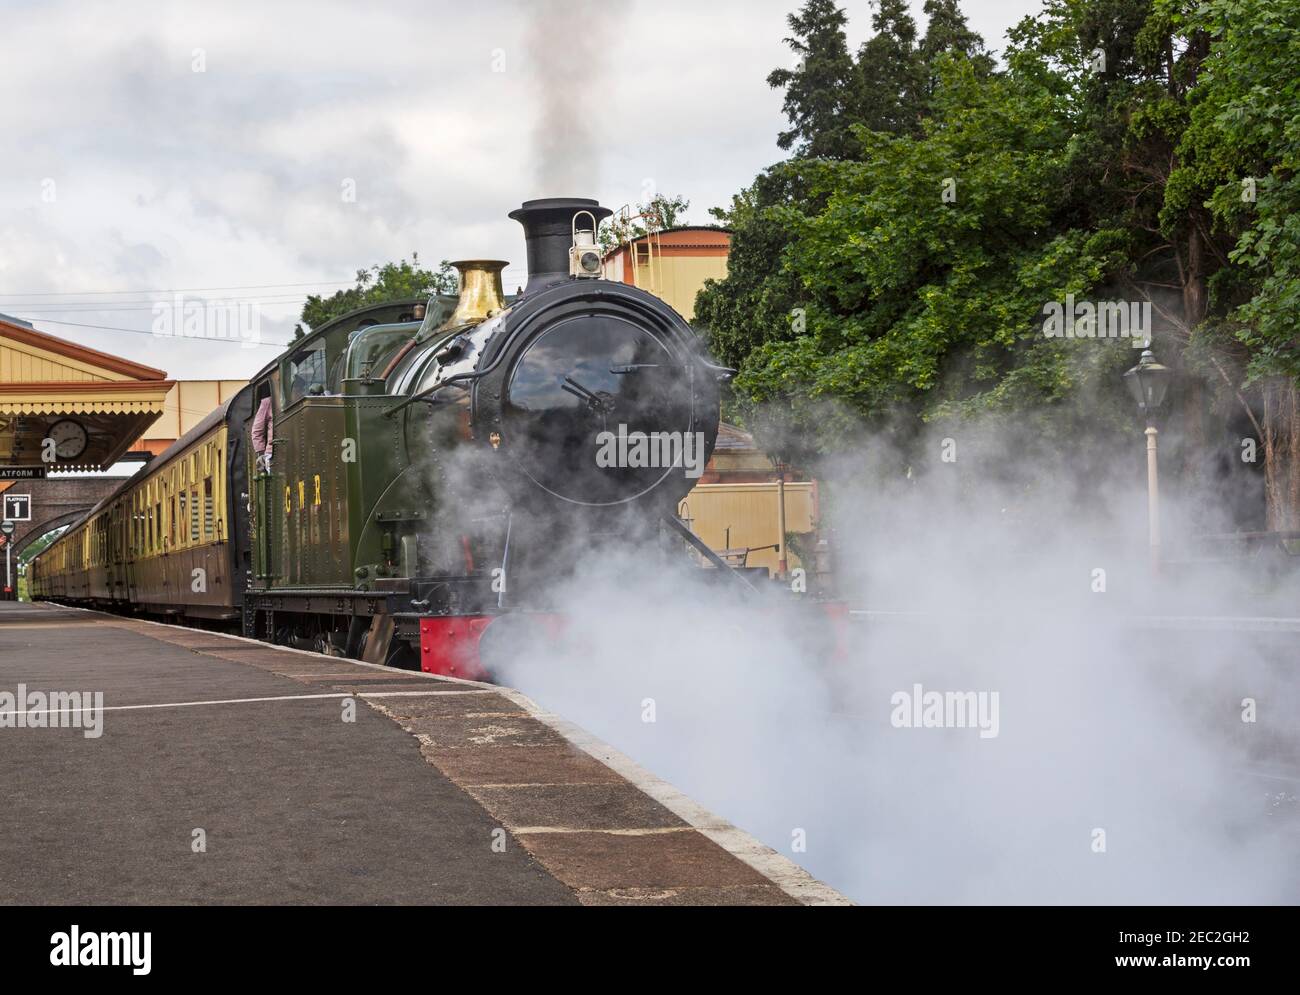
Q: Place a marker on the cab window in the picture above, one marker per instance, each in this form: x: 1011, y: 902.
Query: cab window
x: 305, y: 373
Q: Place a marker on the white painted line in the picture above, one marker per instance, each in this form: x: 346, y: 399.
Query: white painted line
x: 552, y: 830
x: 426, y: 694
x: 238, y: 701
x: 181, y: 704
x: 1271, y: 776
x: 776, y: 868
x: 1188, y: 623
x: 530, y: 784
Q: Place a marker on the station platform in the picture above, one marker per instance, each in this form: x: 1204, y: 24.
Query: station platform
x: 229, y: 771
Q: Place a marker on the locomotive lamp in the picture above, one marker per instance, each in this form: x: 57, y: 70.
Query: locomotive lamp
x: 584, y: 258
x: 1148, y: 382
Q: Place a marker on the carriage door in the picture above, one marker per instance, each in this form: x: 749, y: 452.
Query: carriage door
x: 113, y: 580
x: 133, y: 532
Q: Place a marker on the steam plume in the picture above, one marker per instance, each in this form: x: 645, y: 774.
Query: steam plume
x: 567, y: 44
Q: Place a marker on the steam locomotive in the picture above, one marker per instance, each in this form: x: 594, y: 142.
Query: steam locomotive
x: 430, y: 467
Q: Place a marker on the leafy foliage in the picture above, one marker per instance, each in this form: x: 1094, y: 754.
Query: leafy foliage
x: 659, y: 213
x: 819, y: 90
x: 893, y: 271
x: 378, y: 284
x: 1244, y: 137
x: 911, y: 302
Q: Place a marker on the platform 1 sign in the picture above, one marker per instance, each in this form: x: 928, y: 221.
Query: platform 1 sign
x: 22, y: 473
x: 17, y: 507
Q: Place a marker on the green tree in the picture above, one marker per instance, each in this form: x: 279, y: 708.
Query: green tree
x: 826, y: 100
x: 380, y: 283
x: 819, y: 91
x: 922, y: 280
x: 890, y: 74
x: 756, y: 302
x: 946, y: 33
x: 1239, y: 159
x: 1144, y: 149
x: 1185, y: 107
x: 659, y: 213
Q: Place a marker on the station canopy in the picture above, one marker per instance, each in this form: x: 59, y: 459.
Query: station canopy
x: 91, y: 404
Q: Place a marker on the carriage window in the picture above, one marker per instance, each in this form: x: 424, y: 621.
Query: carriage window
x: 207, y: 508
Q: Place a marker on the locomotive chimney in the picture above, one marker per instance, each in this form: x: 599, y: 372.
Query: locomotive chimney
x: 480, y: 290
x: 548, y: 235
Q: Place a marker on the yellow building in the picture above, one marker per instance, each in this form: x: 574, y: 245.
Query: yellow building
x: 187, y: 403
x: 672, y: 264
x: 743, y: 499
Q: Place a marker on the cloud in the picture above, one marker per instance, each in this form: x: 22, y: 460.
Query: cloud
x: 166, y: 177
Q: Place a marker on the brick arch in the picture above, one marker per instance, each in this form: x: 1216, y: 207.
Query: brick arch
x: 56, y: 501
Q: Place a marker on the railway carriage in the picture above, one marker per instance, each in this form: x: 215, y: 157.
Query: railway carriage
x: 166, y: 541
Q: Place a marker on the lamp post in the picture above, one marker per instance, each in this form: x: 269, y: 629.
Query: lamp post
x: 7, y: 532
x: 1147, y: 382
x: 783, y: 555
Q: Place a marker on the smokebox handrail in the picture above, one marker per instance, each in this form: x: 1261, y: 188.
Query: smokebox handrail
x: 424, y: 395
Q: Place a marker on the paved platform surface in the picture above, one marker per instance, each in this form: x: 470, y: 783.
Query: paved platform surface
x: 437, y: 791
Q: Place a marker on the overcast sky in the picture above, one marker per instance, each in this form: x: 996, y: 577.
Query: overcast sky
x: 154, y: 147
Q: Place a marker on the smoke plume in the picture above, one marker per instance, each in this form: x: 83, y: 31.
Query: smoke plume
x: 1124, y: 766
x: 567, y: 47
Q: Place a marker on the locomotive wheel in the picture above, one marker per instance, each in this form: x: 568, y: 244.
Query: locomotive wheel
x: 325, y: 643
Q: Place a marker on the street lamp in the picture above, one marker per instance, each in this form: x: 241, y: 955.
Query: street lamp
x: 783, y: 554
x: 1147, y: 382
